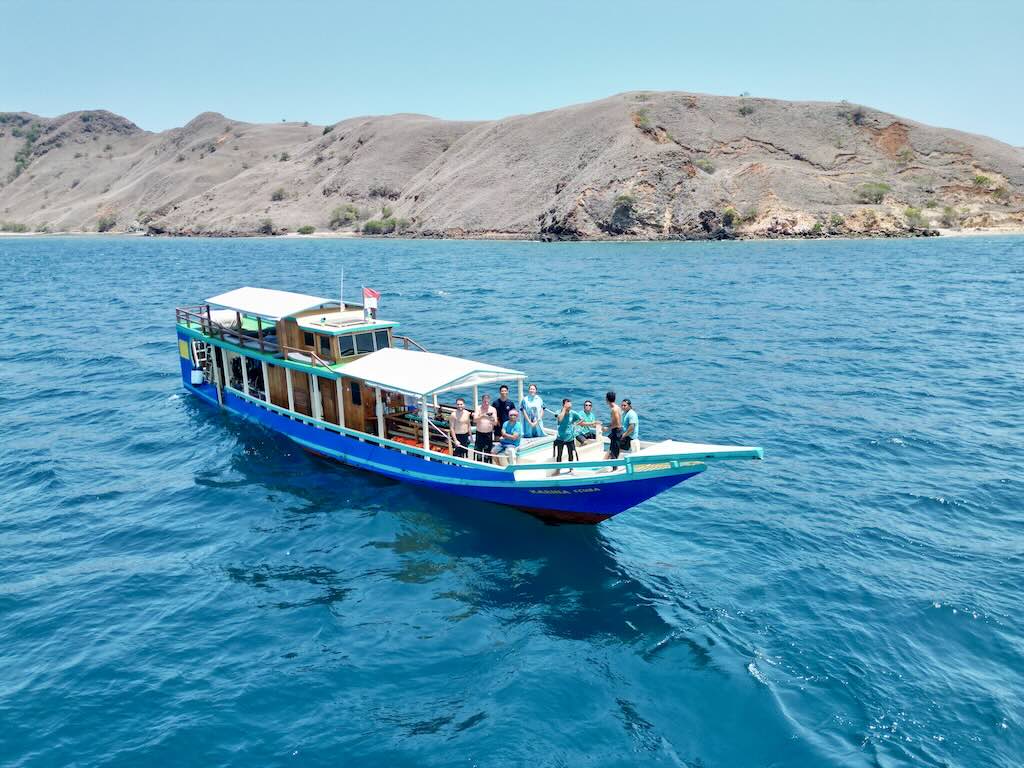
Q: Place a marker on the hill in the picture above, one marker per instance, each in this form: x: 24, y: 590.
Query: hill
x: 636, y: 165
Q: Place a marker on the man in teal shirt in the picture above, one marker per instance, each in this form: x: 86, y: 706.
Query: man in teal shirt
x: 511, y: 436
x: 566, y: 419
x: 630, y: 427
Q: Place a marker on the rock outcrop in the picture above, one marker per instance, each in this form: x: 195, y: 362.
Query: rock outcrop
x: 636, y: 165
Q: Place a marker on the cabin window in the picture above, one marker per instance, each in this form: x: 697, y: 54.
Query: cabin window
x: 325, y: 346
x: 357, y: 392
x: 307, y: 339
x: 364, y: 343
x: 383, y: 342
x: 347, y: 344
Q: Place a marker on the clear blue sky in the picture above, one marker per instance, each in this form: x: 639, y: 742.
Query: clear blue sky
x: 951, y: 63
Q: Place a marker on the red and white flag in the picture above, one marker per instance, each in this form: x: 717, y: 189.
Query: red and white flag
x: 371, y: 298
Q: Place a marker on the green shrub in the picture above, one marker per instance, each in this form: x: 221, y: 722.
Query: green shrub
x: 930, y: 204
x: 817, y: 228
x: 641, y: 119
x: 266, y: 227
x: 981, y: 181
x: 746, y: 109
x: 730, y: 217
x: 277, y: 195
x: 1001, y: 193
x: 835, y: 221
x: 704, y: 164
x: 106, y: 223
x: 284, y: 156
x: 915, y: 218
x: 343, y: 216
x: 749, y: 215
x: 10, y: 226
x: 905, y: 156
x: 872, y: 192
x: 385, y: 212
x: 307, y: 229
x: 950, y: 217
x: 380, y: 226
x: 327, y: 129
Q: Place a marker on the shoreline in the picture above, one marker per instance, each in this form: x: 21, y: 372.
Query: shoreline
x: 484, y: 237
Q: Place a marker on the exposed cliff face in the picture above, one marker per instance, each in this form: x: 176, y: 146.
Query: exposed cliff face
x: 644, y: 165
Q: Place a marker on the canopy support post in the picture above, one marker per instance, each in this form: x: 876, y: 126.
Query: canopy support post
x: 314, y: 395
x: 266, y: 381
x: 291, y: 391
x: 520, y: 390
x: 476, y: 397
x: 426, y: 423
x: 245, y: 373
x: 380, y: 413
x: 341, y: 403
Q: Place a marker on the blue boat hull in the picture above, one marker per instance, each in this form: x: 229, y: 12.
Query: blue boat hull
x: 578, y: 500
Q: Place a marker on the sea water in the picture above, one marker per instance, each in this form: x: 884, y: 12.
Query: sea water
x: 178, y: 587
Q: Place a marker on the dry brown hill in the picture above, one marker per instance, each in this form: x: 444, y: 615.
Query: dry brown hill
x: 645, y: 164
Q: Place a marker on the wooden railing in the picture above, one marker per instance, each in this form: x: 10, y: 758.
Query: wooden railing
x: 190, y: 318
x: 407, y: 343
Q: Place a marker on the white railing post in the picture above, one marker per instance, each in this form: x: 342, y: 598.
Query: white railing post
x: 266, y: 381
x: 291, y: 392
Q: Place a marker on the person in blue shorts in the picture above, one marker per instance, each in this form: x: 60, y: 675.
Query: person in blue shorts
x: 511, y: 436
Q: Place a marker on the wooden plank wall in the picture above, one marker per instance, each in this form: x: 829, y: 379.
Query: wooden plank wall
x: 278, y: 385
x: 300, y: 391
x: 328, y: 399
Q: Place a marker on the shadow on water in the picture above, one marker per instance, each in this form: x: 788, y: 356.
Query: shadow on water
x: 490, y: 558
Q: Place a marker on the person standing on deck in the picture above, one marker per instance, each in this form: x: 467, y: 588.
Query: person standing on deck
x: 566, y: 419
x: 630, y: 427
x: 511, y: 436
x: 533, y: 413
x: 485, y: 418
x: 614, y: 427
x: 503, y: 405
x: 458, y: 425
x: 586, y: 426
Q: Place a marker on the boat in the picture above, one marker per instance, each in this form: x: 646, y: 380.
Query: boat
x: 341, y: 382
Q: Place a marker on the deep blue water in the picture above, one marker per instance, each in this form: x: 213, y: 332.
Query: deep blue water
x: 177, y: 587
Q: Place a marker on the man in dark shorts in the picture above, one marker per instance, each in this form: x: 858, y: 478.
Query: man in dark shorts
x: 502, y: 405
x: 614, y: 427
x: 484, y: 418
x: 458, y: 424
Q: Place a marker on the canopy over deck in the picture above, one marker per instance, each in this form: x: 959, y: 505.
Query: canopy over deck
x: 270, y: 304
x: 424, y: 373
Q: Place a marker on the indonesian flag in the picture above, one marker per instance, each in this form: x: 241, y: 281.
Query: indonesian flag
x: 371, y: 298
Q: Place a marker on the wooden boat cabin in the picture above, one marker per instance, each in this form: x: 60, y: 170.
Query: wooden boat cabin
x: 335, y: 363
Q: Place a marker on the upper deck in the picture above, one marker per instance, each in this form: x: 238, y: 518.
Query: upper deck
x: 306, y: 331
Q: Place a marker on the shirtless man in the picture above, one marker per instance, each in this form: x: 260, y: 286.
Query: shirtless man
x: 458, y: 422
x: 485, y: 417
x: 614, y: 427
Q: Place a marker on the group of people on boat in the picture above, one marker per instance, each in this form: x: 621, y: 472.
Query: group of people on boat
x: 501, y: 426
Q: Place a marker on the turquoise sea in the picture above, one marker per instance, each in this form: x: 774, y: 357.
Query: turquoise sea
x: 180, y: 588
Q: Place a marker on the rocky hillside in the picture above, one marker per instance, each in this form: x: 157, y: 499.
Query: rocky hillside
x: 644, y: 165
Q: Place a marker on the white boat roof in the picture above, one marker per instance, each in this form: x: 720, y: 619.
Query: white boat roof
x: 273, y: 305
x: 424, y: 373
